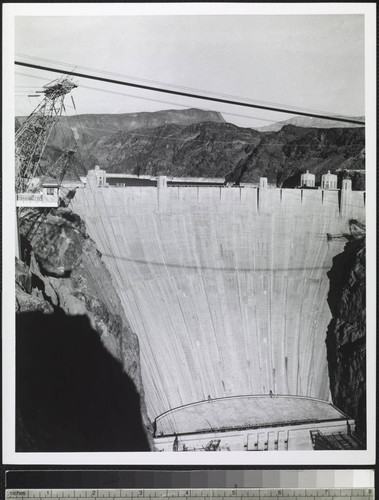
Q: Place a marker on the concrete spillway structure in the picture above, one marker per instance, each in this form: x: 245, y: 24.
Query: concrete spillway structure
x: 226, y: 288
x: 252, y: 423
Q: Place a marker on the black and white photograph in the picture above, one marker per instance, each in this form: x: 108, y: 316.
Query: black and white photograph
x: 189, y: 204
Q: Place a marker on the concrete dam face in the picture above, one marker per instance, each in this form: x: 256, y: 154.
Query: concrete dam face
x: 226, y: 288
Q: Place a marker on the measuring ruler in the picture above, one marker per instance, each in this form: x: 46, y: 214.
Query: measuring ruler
x: 199, y: 493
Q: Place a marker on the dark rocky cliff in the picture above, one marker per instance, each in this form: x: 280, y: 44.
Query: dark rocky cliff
x: 198, y: 143
x: 224, y: 150
x: 90, y: 127
x: 78, y: 378
x: 346, y: 335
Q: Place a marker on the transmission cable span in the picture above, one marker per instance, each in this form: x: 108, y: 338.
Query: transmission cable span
x: 226, y: 113
x: 186, y: 94
x: 181, y: 106
x: 178, y: 87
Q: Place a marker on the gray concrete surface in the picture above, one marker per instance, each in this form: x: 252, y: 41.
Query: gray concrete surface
x: 226, y: 288
x: 245, y: 411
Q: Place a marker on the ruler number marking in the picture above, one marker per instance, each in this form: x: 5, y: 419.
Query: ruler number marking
x: 222, y: 493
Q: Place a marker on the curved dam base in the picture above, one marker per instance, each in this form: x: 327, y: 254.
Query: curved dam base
x: 245, y: 412
x: 250, y: 423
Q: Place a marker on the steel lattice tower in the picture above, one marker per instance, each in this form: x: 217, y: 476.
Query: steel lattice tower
x: 32, y: 136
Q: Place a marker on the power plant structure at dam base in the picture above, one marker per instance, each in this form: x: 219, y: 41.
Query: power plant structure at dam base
x: 226, y: 289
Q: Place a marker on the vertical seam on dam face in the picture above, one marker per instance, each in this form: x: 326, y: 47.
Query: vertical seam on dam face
x: 258, y: 192
x: 225, y: 287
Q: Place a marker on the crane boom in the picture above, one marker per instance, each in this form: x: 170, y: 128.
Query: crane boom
x: 34, y: 132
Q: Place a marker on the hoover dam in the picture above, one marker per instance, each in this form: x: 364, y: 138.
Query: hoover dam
x: 226, y: 289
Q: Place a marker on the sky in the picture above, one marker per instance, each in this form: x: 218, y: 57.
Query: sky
x: 308, y: 61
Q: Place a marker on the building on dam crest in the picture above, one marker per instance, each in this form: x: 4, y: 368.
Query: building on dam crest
x: 308, y: 180
x: 98, y: 177
x: 329, y: 181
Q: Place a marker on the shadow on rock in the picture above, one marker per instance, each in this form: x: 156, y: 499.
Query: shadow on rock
x: 71, y: 394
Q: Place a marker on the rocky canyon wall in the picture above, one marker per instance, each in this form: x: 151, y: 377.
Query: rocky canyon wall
x: 346, y: 336
x: 78, y: 373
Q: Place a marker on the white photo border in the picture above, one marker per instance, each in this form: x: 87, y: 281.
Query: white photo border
x: 346, y: 458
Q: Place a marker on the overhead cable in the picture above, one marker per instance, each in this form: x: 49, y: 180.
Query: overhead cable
x: 186, y: 94
x: 227, y: 113
x: 175, y: 87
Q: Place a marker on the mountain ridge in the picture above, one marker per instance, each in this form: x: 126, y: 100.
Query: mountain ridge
x: 225, y: 150
x: 86, y: 128
x: 196, y: 143
x: 313, y: 122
